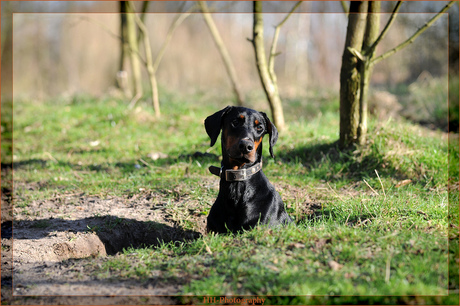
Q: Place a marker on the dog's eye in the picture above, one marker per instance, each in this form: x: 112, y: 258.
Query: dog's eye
x: 235, y: 123
x: 260, y: 128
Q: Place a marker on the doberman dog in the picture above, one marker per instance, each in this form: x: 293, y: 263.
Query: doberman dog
x: 246, y: 197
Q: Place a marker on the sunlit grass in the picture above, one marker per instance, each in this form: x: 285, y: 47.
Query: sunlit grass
x: 380, y: 226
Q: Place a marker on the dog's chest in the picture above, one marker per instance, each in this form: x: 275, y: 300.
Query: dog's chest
x: 240, y: 195
x: 237, y: 193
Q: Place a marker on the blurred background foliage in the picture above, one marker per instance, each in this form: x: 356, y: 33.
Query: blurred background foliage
x: 62, y: 49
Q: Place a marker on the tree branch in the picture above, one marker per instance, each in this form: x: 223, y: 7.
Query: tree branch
x: 414, y: 36
x: 387, y: 26
x: 177, y: 21
x: 268, y: 84
x: 229, y: 67
x: 145, y: 5
x: 273, y: 54
x: 102, y: 25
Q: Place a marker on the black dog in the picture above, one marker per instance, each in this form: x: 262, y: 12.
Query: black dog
x: 246, y: 197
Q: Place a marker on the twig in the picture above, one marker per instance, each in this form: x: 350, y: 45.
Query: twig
x: 228, y: 63
x: 414, y: 36
x: 208, y: 249
x: 333, y: 191
x: 271, y: 59
x: 145, y: 163
x: 148, y: 57
x: 172, y: 28
x: 370, y: 187
x: 384, y: 194
x: 103, y: 26
x: 367, y: 209
x: 346, y: 221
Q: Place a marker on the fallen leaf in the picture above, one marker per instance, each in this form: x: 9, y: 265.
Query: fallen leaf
x: 403, y: 183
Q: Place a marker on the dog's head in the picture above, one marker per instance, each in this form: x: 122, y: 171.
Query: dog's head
x: 242, y: 133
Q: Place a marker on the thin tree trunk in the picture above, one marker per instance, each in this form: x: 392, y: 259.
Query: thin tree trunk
x: 133, y: 53
x: 123, y: 35
x: 270, y: 87
x: 177, y: 21
x: 273, y: 53
x: 223, y: 52
x: 145, y: 5
x: 122, y: 78
x: 349, y: 74
x: 370, y: 36
x: 149, y: 64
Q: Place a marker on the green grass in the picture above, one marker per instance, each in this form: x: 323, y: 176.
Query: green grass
x: 256, y: 262
x: 369, y: 235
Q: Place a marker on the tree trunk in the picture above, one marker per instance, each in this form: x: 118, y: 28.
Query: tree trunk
x: 223, y: 52
x: 122, y: 75
x: 123, y: 34
x: 357, y: 63
x: 370, y: 36
x: 143, y: 33
x: 269, y: 85
x: 350, y: 76
x: 133, y: 53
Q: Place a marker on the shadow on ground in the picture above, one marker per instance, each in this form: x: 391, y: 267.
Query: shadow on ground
x: 327, y: 161
x: 125, y: 167
x: 114, y: 232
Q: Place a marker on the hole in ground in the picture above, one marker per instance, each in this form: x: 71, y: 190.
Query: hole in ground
x: 115, y: 233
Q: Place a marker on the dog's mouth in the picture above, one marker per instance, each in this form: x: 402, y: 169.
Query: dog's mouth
x: 242, y: 159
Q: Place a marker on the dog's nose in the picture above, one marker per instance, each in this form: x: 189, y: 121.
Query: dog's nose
x: 246, y: 146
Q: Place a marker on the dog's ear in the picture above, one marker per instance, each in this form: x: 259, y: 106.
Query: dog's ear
x: 213, y: 124
x: 272, y: 133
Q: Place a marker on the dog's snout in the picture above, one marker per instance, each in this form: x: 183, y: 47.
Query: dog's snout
x: 246, y: 146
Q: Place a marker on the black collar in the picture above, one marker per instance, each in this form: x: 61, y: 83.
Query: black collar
x: 235, y: 175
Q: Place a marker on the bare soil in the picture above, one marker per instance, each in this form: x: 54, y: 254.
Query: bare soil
x: 55, y: 239
x: 58, y: 242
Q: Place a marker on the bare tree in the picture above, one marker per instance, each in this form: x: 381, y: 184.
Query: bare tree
x: 148, y: 62
x: 223, y: 51
x: 131, y: 37
x: 358, y: 61
x: 122, y: 77
x: 266, y: 70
